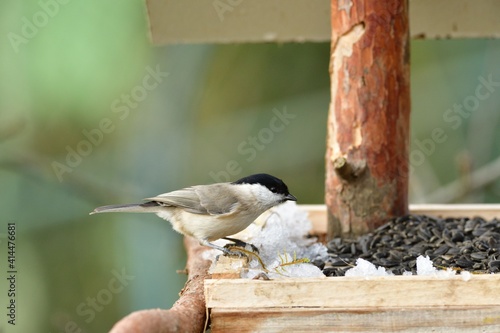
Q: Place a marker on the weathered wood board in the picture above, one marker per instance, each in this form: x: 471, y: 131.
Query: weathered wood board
x: 408, y: 320
x: 355, y: 292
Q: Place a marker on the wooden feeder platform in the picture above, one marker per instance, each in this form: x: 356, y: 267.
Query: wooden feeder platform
x: 357, y: 304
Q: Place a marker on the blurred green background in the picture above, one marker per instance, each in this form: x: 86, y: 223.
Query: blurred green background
x: 92, y: 114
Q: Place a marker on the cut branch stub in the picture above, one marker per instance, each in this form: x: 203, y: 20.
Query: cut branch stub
x: 368, y: 124
x: 347, y: 171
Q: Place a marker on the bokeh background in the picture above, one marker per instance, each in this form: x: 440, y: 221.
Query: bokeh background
x: 174, y: 116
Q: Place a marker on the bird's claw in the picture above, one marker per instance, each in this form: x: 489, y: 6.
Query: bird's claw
x: 232, y: 250
x: 239, y: 251
x: 241, y: 244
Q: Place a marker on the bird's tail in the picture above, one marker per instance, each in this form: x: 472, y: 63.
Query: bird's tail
x: 148, y: 207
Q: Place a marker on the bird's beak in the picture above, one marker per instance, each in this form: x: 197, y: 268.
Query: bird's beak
x: 290, y: 197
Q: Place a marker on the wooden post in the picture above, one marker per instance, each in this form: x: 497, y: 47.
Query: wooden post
x: 368, y: 125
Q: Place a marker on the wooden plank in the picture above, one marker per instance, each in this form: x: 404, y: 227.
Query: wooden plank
x: 317, y: 215
x: 409, y: 320
x: 238, y: 21
x: 431, y: 19
x: 354, y: 292
x: 487, y: 211
x: 228, y: 267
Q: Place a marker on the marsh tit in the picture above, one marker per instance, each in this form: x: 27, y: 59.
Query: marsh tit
x: 211, y: 212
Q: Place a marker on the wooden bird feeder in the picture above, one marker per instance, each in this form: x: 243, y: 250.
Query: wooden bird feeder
x: 355, y: 304
x: 366, y: 164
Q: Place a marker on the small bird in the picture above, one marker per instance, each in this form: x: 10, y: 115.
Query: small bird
x: 211, y: 212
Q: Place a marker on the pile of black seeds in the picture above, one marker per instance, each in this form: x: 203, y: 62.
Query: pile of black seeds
x: 470, y: 244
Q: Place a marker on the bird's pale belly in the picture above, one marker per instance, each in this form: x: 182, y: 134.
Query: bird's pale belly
x: 214, y: 227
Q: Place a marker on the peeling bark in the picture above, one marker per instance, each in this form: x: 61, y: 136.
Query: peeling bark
x: 187, y: 314
x: 368, y: 125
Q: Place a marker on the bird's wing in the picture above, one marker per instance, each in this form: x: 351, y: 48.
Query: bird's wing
x: 208, y: 199
x: 185, y: 198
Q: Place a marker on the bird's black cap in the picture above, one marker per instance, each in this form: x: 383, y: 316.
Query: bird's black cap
x: 274, y: 184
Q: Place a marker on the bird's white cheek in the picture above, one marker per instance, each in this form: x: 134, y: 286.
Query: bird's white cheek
x: 265, y: 198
